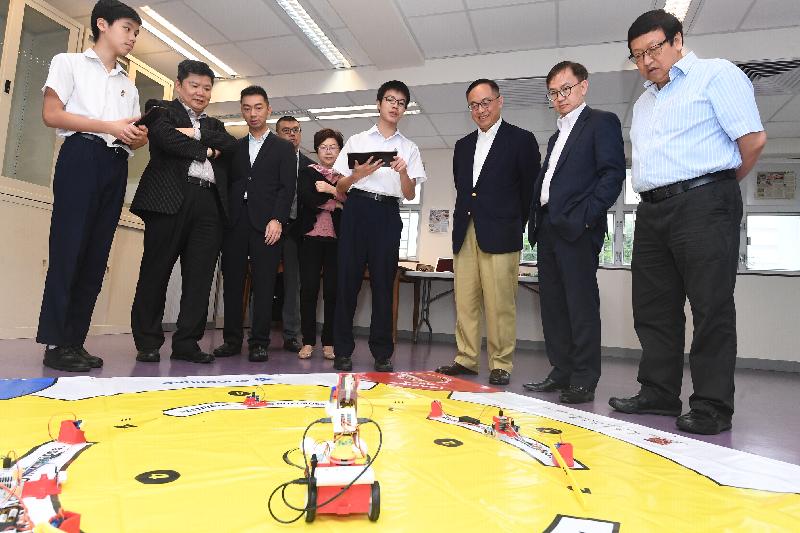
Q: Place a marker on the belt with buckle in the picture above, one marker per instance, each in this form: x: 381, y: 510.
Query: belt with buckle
x: 205, y: 184
x: 385, y: 198
x: 658, y: 194
x: 118, y: 150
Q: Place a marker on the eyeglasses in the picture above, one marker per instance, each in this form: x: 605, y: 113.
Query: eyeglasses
x: 483, y: 104
x: 287, y: 131
x: 653, y: 51
x: 328, y: 148
x: 391, y: 100
x: 564, y: 92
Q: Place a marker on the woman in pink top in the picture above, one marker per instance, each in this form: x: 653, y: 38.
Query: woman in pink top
x: 318, y: 218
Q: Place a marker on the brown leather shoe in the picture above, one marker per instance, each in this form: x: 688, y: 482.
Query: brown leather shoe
x: 455, y: 370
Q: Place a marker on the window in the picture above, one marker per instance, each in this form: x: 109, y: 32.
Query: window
x: 772, y: 242
x: 410, y: 215
x: 28, y: 147
x: 607, y: 252
x: 627, y: 237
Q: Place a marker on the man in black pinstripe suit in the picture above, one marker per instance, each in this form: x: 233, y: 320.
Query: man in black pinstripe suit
x: 182, y: 199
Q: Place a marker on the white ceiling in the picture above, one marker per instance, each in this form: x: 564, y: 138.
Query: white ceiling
x: 262, y: 44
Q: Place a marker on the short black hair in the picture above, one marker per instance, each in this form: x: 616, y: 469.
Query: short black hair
x: 396, y: 85
x: 190, y: 66
x: 253, y: 90
x: 482, y: 81
x: 579, y: 70
x: 111, y: 10
x: 284, y: 118
x: 325, y: 134
x: 657, y: 19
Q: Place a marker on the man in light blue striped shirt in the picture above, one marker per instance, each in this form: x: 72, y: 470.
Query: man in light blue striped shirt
x: 695, y: 134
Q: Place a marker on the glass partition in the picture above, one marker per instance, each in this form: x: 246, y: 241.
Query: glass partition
x: 30, y: 145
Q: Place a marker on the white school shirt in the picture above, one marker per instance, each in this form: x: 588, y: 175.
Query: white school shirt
x: 86, y: 88
x: 565, y: 125
x: 482, y: 147
x: 384, y: 180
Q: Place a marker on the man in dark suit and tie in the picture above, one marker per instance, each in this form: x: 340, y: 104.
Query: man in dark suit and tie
x: 262, y: 184
x: 494, y: 169
x: 581, y: 178
x: 182, y: 199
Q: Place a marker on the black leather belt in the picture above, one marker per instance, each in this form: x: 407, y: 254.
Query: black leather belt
x: 118, y: 150
x: 205, y: 184
x: 658, y: 194
x: 385, y: 198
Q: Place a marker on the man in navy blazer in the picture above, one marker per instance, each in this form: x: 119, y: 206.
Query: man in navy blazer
x: 494, y: 169
x: 581, y: 178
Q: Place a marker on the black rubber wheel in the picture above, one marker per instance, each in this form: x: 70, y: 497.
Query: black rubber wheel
x: 375, y: 502
x: 311, y: 504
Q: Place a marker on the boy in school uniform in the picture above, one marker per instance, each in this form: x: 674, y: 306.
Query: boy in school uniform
x: 370, y: 227
x: 91, y: 101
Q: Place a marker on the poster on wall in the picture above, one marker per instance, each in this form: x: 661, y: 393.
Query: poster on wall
x: 775, y: 185
x: 439, y: 220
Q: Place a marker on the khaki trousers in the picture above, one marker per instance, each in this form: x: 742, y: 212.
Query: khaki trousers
x: 485, y: 282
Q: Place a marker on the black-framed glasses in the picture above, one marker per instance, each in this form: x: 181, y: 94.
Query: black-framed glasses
x: 483, y: 104
x: 328, y: 148
x: 287, y: 131
x: 564, y: 92
x: 653, y: 51
x: 391, y: 100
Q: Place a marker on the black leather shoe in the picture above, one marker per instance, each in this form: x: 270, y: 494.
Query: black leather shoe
x: 65, y: 358
x: 227, y: 349
x: 345, y: 364
x: 546, y: 385
x: 576, y: 394
x: 195, y: 357
x: 384, y: 365
x: 94, y: 362
x: 258, y: 354
x: 640, y: 405
x: 455, y: 370
x: 148, y: 356
x: 292, y: 345
x: 499, y: 377
x: 702, y: 422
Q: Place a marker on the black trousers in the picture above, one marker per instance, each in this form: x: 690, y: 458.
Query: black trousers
x: 369, y: 236
x: 194, y: 235
x: 242, y: 244
x: 570, y: 304
x: 88, y: 190
x: 318, y: 257
x: 688, y: 246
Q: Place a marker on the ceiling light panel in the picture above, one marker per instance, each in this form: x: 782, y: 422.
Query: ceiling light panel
x: 313, y: 32
x: 197, y: 47
x: 679, y: 8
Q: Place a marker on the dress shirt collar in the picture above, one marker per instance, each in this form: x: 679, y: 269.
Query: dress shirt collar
x: 491, y: 132
x: 251, y: 138
x: 191, y: 112
x: 682, y: 66
x: 90, y: 53
x: 375, y: 131
x: 568, y: 120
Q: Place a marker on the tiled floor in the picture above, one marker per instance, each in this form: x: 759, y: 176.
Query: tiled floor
x: 766, y: 422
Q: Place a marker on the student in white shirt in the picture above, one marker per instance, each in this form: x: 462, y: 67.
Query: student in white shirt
x: 370, y: 229
x: 91, y: 101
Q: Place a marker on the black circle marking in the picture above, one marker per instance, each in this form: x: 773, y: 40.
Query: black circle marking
x: 448, y: 443
x: 157, y: 477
